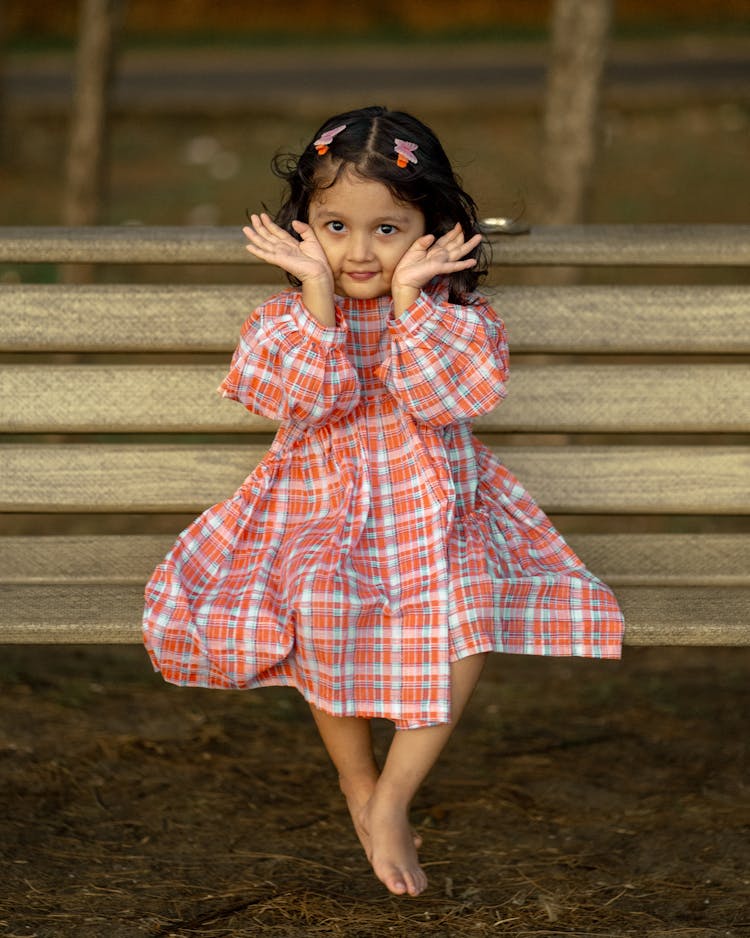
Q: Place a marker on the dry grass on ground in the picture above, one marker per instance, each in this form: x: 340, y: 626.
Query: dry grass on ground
x: 578, y: 798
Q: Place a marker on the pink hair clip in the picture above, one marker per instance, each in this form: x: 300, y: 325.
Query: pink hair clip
x: 405, y: 151
x: 325, y: 140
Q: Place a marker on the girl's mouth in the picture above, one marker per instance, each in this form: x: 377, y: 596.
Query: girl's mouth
x: 361, y: 275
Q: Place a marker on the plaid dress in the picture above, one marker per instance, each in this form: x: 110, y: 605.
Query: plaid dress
x: 378, y: 540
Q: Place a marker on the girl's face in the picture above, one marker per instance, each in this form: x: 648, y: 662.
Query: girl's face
x: 364, y: 232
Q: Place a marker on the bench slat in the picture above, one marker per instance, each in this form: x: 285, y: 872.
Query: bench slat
x: 619, y: 559
x: 580, y: 245
x: 583, y: 319
x: 126, y: 317
x: 543, y: 398
x: 95, y: 613
x: 183, y: 478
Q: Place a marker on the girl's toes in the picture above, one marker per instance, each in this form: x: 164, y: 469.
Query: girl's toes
x: 405, y: 882
x: 396, y: 884
x: 400, y: 882
x: 416, y: 882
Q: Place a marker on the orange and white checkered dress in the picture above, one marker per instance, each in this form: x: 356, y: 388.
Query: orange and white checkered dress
x: 378, y: 540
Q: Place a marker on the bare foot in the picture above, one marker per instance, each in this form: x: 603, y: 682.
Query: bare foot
x: 393, y: 853
x: 358, y: 797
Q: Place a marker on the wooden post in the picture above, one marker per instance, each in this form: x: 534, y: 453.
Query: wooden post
x: 4, y: 134
x: 580, y: 31
x: 86, y: 161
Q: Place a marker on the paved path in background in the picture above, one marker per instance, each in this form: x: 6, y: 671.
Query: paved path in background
x: 233, y: 81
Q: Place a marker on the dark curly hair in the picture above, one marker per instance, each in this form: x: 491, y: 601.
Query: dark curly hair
x: 367, y: 146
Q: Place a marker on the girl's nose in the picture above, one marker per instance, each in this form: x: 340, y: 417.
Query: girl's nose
x: 360, y: 248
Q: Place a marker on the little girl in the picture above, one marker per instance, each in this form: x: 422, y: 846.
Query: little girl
x: 378, y: 551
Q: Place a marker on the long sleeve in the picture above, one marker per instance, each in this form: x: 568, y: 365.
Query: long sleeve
x: 291, y: 368
x: 446, y: 362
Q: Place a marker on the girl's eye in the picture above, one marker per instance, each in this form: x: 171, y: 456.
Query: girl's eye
x: 336, y: 226
x: 387, y: 229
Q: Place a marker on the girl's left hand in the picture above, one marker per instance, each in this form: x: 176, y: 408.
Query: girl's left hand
x: 427, y: 258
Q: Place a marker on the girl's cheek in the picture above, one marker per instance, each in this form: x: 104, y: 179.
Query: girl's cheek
x: 330, y: 255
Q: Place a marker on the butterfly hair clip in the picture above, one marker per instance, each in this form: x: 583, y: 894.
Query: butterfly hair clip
x: 405, y: 151
x: 325, y: 140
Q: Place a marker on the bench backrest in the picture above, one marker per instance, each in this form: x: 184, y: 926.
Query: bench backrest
x: 626, y: 413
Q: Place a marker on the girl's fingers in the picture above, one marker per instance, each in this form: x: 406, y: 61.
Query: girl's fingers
x: 264, y: 227
x: 453, y: 266
x: 456, y: 229
x: 257, y: 223
x: 455, y: 232
x: 267, y: 222
x: 304, y: 231
x: 453, y: 242
x: 422, y: 244
x: 447, y: 255
x: 263, y: 242
x: 254, y: 231
x: 252, y: 237
x: 471, y: 244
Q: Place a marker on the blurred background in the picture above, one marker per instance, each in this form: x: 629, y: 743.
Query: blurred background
x: 198, y: 95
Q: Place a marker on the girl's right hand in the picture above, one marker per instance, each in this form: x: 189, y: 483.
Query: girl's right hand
x: 303, y: 259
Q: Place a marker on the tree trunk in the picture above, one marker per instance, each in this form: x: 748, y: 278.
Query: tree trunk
x: 580, y: 32
x: 86, y: 163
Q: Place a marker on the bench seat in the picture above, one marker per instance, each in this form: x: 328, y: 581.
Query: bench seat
x: 675, y: 589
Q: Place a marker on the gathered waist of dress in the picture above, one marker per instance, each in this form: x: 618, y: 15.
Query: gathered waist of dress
x: 371, y: 398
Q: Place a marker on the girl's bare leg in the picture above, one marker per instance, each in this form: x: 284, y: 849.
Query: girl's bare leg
x: 379, y: 804
x: 411, y: 756
x: 348, y: 741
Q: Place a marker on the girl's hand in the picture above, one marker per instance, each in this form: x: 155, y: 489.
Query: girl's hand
x: 427, y: 258
x: 303, y: 259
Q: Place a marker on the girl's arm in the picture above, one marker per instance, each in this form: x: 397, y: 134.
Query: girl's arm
x: 291, y: 368
x: 447, y: 362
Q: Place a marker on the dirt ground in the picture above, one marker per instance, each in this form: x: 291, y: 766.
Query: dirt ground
x: 578, y: 798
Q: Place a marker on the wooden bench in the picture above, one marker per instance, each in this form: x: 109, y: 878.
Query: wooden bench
x: 625, y: 418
